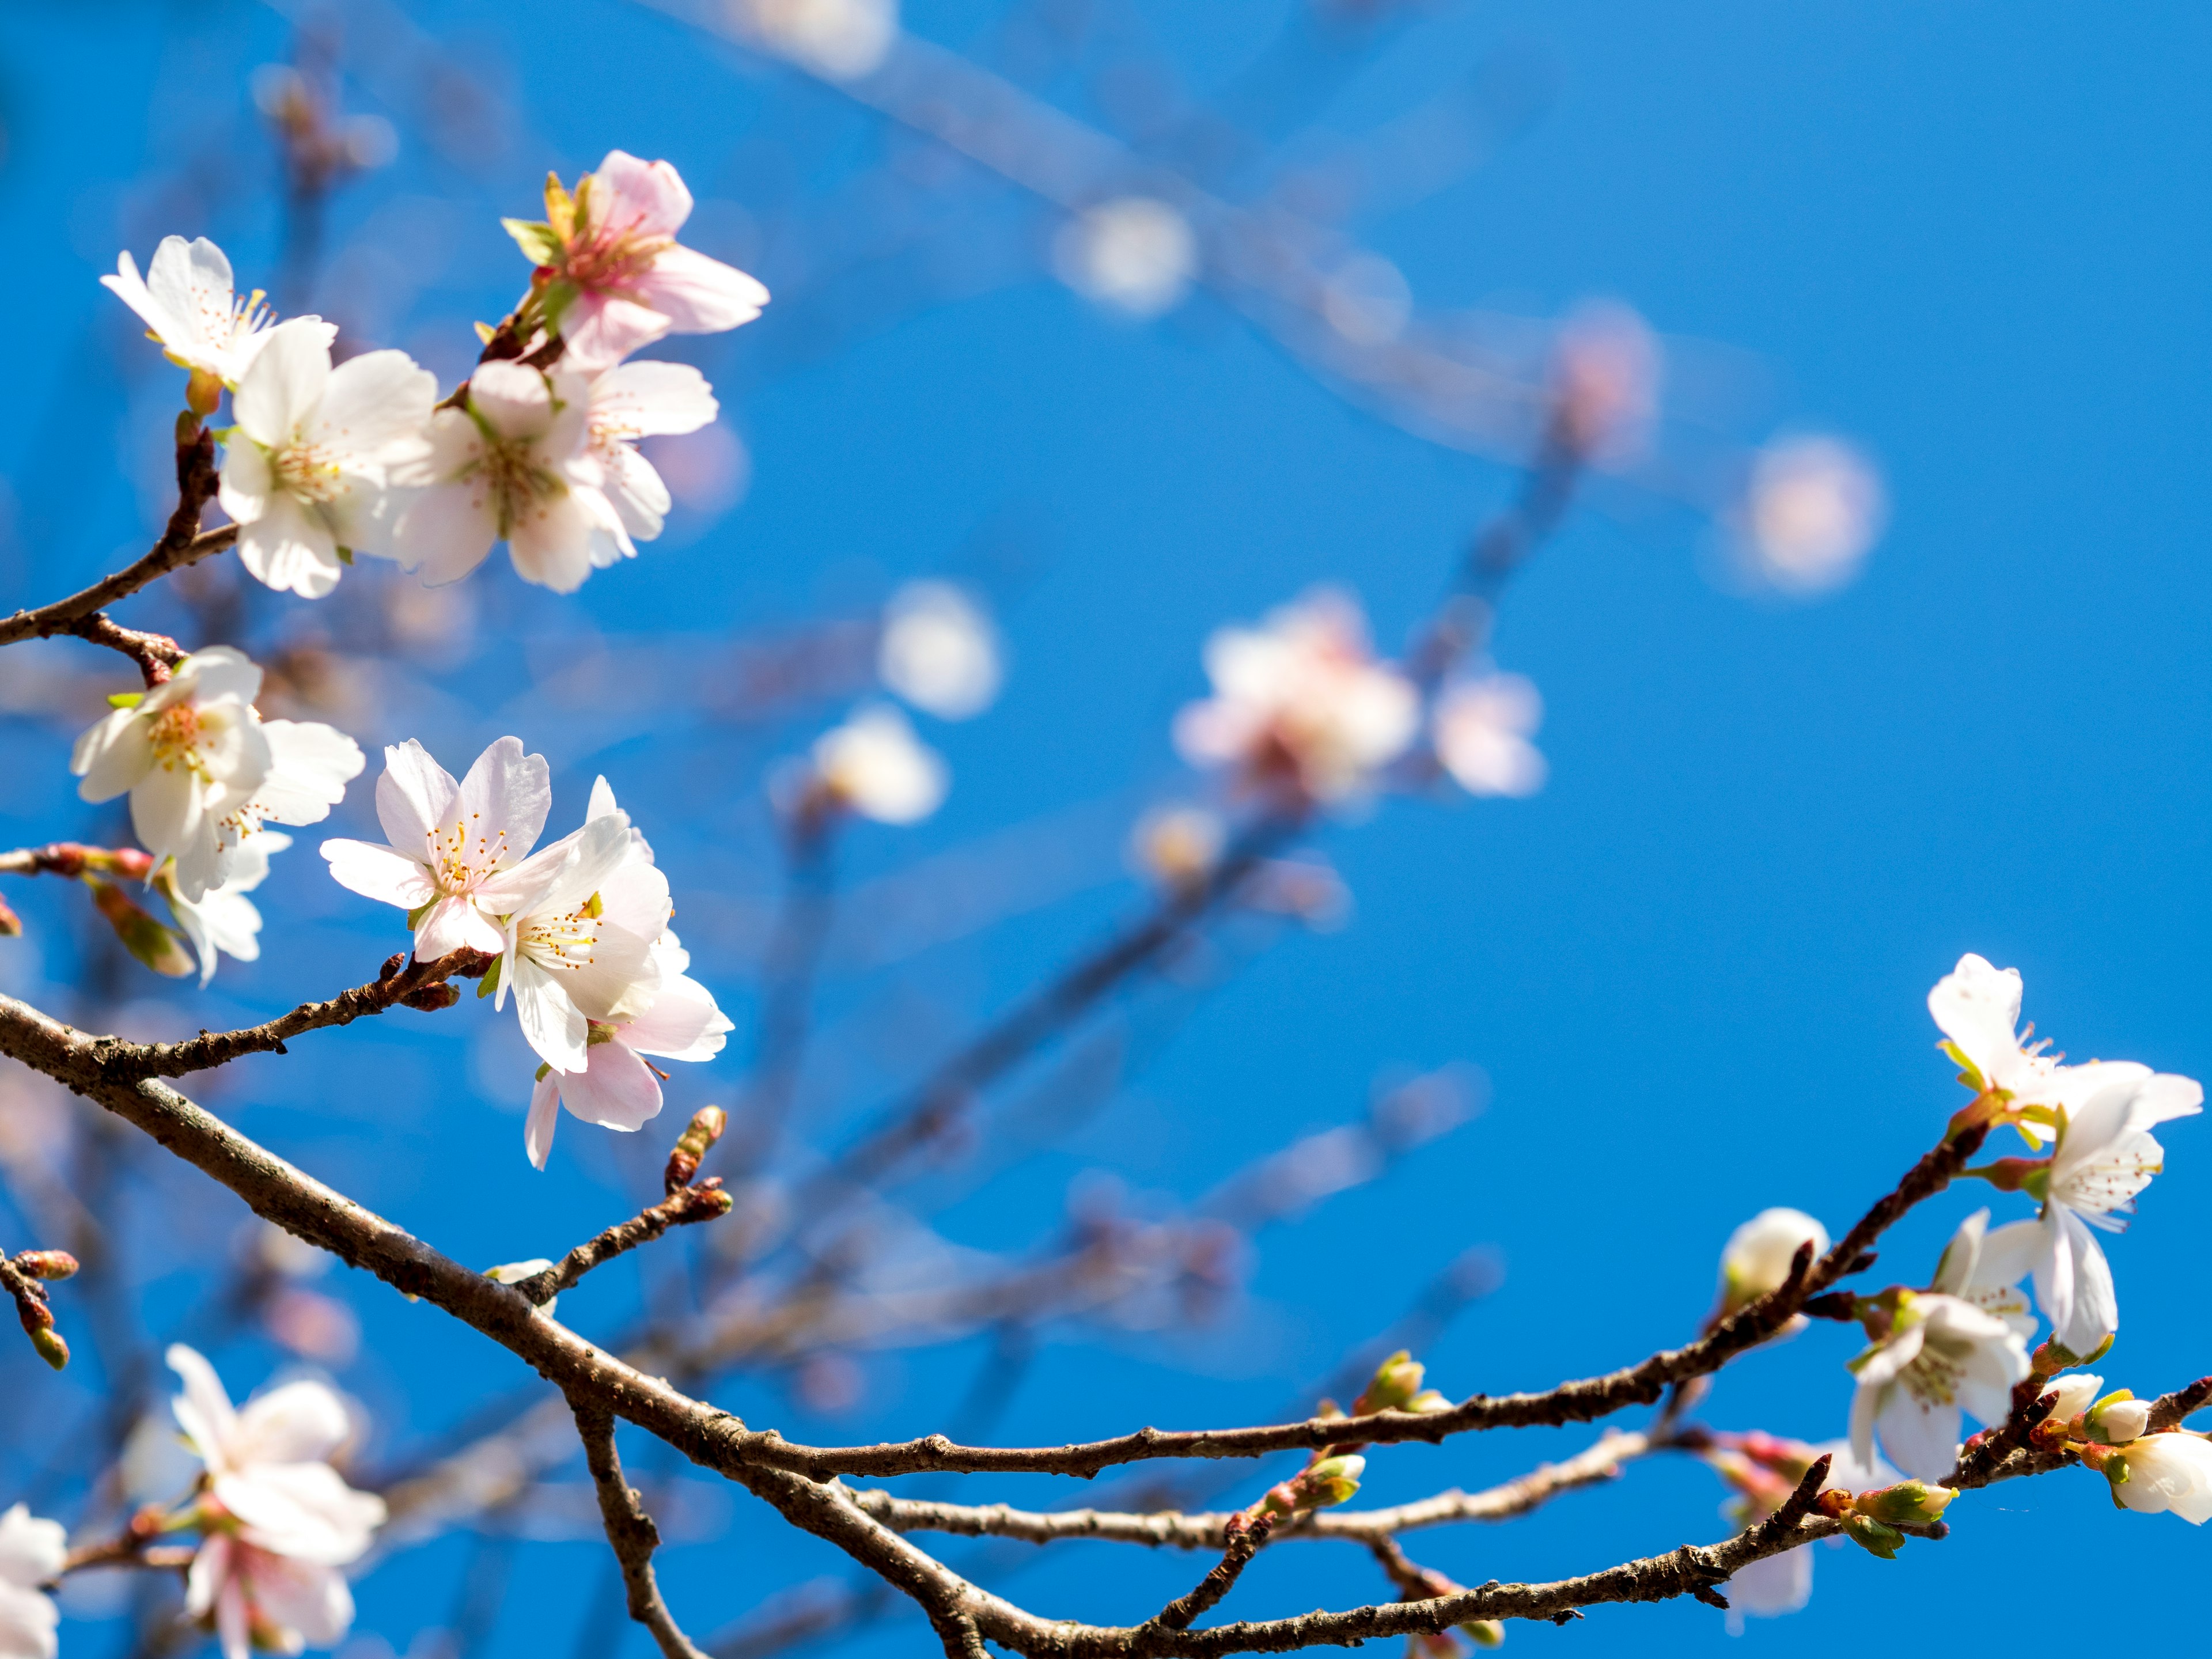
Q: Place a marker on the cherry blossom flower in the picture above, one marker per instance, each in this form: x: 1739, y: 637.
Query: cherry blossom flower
x: 578, y: 945
x: 1983, y: 1269
x: 188, y: 302
x: 629, y: 402
x: 31, y: 1554
x: 2105, y: 1155
x: 222, y: 919
x: 255, y: 1598
x: 617, y: 1088
x: 841, y: 39
x: 874, y: 765
x: 304, y: 470
x: 1811, y: 509
x: 1300, y: 702
x: 2165, y: 1471
x: 1977, y: 1007
x: 268, y: 1472
x: 456, y: 860
x: 1135, y: 253
x: 310, y: 764
x: 189, y: 752
x: 1757, y: 1257
x: 1481, y: 729
x: 939, y: 651
x: 1178, y: 845
x: 1605, y: 367
x: 511, y: 465
x: 1941, y: 1354
x: 614, y: 276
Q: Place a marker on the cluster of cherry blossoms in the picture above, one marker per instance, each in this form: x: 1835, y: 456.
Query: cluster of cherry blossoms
x: 576, y: 932
x: 1960, y: 1345
x: 324, y: 461
x: 276, y: 1524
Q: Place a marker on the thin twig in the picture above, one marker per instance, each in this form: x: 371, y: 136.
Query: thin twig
x: 630, y: 1531
x: 1240, y: 1541
x: 705, y: 1202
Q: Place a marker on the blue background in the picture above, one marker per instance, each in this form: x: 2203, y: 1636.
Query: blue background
x: 1974, y: 237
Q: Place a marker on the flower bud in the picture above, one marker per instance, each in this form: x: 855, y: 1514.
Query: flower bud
x: 693, y: 1145
x: 2117, y: 1419
x: 2075, y: 1390
x: 1873, y: 1536
x: 46, y: 1264
x: 1396, y: 1381
x: 1908, y: 1503
x: 50, y: 1348
x: 1328, y: 1482
x: 202, y: 391
x: 156, y: 946
x: 1759, y: 1253
x: 1484, y: 1633
x: 1430, y: 1400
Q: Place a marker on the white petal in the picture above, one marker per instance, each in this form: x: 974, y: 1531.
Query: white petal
x: 413, y: 797
x: 281, y: 393
x: 380, y: 872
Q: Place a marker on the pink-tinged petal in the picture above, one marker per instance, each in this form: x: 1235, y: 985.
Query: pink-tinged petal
x: 697, y: 295
x: 376, y: 401
x: 281, y: 393
x: 455, y: 924
x: 309, y: 766
x: 413, y: 797
x: 514, y: 401
x: 444, y: 530
x: 220, y: 671
x: 684, y: 1022
x: 545, y: 1118
x: 302, y: 1422
x: 501, y: 807
x: 306, y: 1596
x: 640, y: 199
x: 651, y: 399
x: 302, y: 1509
x: 553, y: 1025
x: 112, y: 755
x: 637, y: 492
x: 599, y: 330
x: 204, y: 1410
x: 190, y: 283
x: 234, y: 1621
x: 551, y: 542
x: 563, y: 445
x: 288, y: 549
x: 210, y: 1571
x: 616, y: 1088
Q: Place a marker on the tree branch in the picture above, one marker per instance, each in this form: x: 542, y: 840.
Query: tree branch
x: 630, y: 1531
x: 1598, y: 1463
x: 417, y: 984
x: 1241, y: 1538
x: 705, y: 1202
x: 182, y: 542
x: 2169, y: 1410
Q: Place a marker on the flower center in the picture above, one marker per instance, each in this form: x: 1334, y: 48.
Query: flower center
x: 564, y: 941
x: 613, y: 258
x: 309, y: 471
x: 176, y: 736
x: 509, y: 470
x: 463, y: 856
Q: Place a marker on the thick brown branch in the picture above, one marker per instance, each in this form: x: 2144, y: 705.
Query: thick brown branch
x: 2169, y: 1410
x: 630, y: 1530
x: 1240, y: 1541
x: 417, y: 984
x: 705, y: 1202
x: 182, y: 542
x: 1170, y: 1529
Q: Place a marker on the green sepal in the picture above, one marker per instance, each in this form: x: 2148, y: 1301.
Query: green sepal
x: 538, y: 241
x: 345, y: 554
x: 414, y: 916
x: 1872, y: 1536
x: 490, y: 982
x: 125, y: 699
x: 543, y: 1067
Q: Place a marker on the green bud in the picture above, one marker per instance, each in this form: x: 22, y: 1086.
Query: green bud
x: 1908, y: 1503
x: 1484, y: 1633
x: 1395, y: 1381
x: 158, y: 947
x: 1872, y: 1536
x: 2117, y: 1419
x: 50, y: 1348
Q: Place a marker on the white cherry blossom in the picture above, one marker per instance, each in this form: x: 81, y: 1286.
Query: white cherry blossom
x: 310, y: 764
x: 188, y: 303
x: 259, y: 1599
x: 1481, y: 729
x: 222, y: 919
x: 1941, y: 1353
x: 1300, y: 701
x: 2106, y: 1156
x: 304, y: 468
x: 1977, y: 1007
x: 1811, y: 509
x: 841, y: 39
x: 268, y: 1469
x: 578, y: 945
x: 456, y: 860
x: 874, y: 765
x: 629, y: 402
x: 2168, y: 1473
x: 31, y: 1554
x: 511, y: 465
x: 1984, y: 1268
x: 939, y: 651
x: 1135, y: 253
x: 619, y: 278
x: 189, y: 752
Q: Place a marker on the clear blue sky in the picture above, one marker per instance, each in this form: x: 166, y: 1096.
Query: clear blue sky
x: 1974, y: 237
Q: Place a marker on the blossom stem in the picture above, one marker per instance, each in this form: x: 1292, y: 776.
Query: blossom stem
x: 687, y: 1205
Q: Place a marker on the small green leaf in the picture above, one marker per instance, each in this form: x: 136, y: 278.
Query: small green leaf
x: 125, y: 699
x: 490, y: 982
x: 345, y: 554
x: 537, y: 240
x: 414, y: 916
